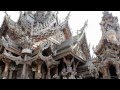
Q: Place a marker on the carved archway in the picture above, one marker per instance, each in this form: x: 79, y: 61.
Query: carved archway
x: 47, y: 52
x: 112, y: 71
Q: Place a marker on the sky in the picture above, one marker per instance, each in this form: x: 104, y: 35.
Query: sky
x: 76, y: 21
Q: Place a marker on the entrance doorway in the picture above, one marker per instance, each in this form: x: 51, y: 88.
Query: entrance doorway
x: 112, y: 71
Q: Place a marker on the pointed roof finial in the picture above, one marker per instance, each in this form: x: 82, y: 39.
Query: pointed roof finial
x: 57, y: 16
x: 67, y: 17
x: 6, y: 13
x: 85, y: 25
x: 89, y: 45
x: 20, y: 12
x: 57, y: 12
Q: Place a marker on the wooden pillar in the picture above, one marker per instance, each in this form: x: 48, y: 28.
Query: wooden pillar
x: 5, y: 72
x: 33, y: 70
x: 105, y: 73
x: 23, y: 76
x: 43, y: 73
x: 118, y: 70
x: 10, y: 74
x: 12, y: 68
x: 38, y: 72
x: 27, y: 72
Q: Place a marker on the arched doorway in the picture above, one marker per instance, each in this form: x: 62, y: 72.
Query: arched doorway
x: 47, y: 52
x: 100, y: 75
x: 112, y: 72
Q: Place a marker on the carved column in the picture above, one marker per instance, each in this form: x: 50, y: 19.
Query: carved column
x: 105, y: 73
x: 43, y: 76
x: 118, y: 70
x: 27, y: 72
x: 23, y: 76
x: 11, y: 72
x: 24, y: 71
x: 38, y: 72
x: 33, y: 70
x: 5, y: 72
x: 43, y: 73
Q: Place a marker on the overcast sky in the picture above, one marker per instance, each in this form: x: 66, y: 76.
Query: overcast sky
x: 76, y: 21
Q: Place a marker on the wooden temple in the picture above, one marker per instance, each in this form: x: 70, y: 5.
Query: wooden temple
x: 38, y: 46
x: 107, y: 51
